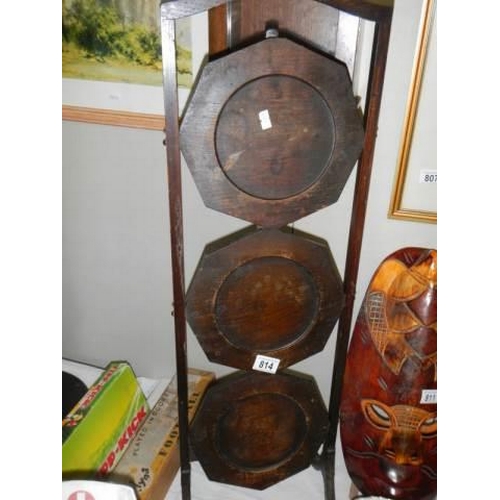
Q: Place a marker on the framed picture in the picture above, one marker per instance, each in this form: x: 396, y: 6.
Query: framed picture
x: 111, y: 62
x: 414, y: 195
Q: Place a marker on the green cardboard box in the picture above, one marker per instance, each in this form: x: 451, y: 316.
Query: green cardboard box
x: 98, y: 430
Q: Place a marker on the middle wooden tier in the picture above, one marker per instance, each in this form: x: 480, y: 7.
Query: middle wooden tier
x: 271, y: 292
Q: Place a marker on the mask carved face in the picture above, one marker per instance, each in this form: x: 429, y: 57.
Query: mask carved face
x: 402, y: 430
x: 388, y: 430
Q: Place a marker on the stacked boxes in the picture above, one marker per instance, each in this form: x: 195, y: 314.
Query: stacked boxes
x: 152, y: 459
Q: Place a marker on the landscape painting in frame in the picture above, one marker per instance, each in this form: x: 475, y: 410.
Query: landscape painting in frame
x: 120, y: 41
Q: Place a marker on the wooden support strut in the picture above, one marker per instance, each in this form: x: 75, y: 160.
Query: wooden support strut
x: 176, y: 240
x: 374, y: 97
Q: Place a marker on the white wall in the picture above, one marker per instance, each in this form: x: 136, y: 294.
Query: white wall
x: 116, y: 293
x: 116, y: 262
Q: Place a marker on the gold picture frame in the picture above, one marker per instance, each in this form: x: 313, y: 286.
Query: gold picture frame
x: 397, y: 209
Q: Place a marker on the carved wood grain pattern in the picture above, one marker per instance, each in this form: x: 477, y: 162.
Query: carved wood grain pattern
x: 389, y: 436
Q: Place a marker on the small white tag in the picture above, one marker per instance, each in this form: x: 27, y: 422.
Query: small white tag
x: 429, y: 396
x: 265, y: 120
x: 428, y: 176
x: 266, y: 364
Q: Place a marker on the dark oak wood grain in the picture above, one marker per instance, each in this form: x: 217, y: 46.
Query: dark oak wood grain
x: 280, y: 421
x: 272, y: 132
x: 176, y: 241
x: 217, y: 33
x: 269, y: 292
x: 274, y: 137
x: 307, y: 21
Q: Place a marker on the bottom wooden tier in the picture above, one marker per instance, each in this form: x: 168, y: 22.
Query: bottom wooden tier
x: 255, y: 429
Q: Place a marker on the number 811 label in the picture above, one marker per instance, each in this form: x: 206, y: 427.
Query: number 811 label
x: 429, y: 396
x: 266, y: 364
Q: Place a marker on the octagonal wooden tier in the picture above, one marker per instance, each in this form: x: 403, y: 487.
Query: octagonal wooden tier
x: 254, y: 429
x: 264, y: 292
x: 272, y: 132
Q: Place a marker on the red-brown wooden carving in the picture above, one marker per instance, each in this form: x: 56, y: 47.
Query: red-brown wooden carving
x: 388, y: 412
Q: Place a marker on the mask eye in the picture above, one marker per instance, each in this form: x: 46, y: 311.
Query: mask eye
x: 377, y: 413
x: 428, y: 428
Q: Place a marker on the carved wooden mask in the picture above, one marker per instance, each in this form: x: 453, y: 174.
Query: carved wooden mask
x: 388, y: 413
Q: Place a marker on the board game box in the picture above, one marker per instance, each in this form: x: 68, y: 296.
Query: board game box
x: 99, y: 429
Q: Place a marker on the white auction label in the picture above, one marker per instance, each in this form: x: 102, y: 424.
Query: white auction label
x: 265, y: 120
x: 266, y: 364
x: 429, y: 396
x: 428, y: 176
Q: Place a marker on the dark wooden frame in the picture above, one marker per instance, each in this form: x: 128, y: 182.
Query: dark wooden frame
x: 381, y: 14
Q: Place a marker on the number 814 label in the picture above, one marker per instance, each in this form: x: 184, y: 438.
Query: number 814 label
x: 266, y: 364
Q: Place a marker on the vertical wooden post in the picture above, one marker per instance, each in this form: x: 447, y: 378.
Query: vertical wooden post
x: 372, y: 110
x: 217, y: 37
x: 176, y: 239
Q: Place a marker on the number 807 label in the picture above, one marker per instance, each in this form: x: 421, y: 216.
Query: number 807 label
x: 428, y: 176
